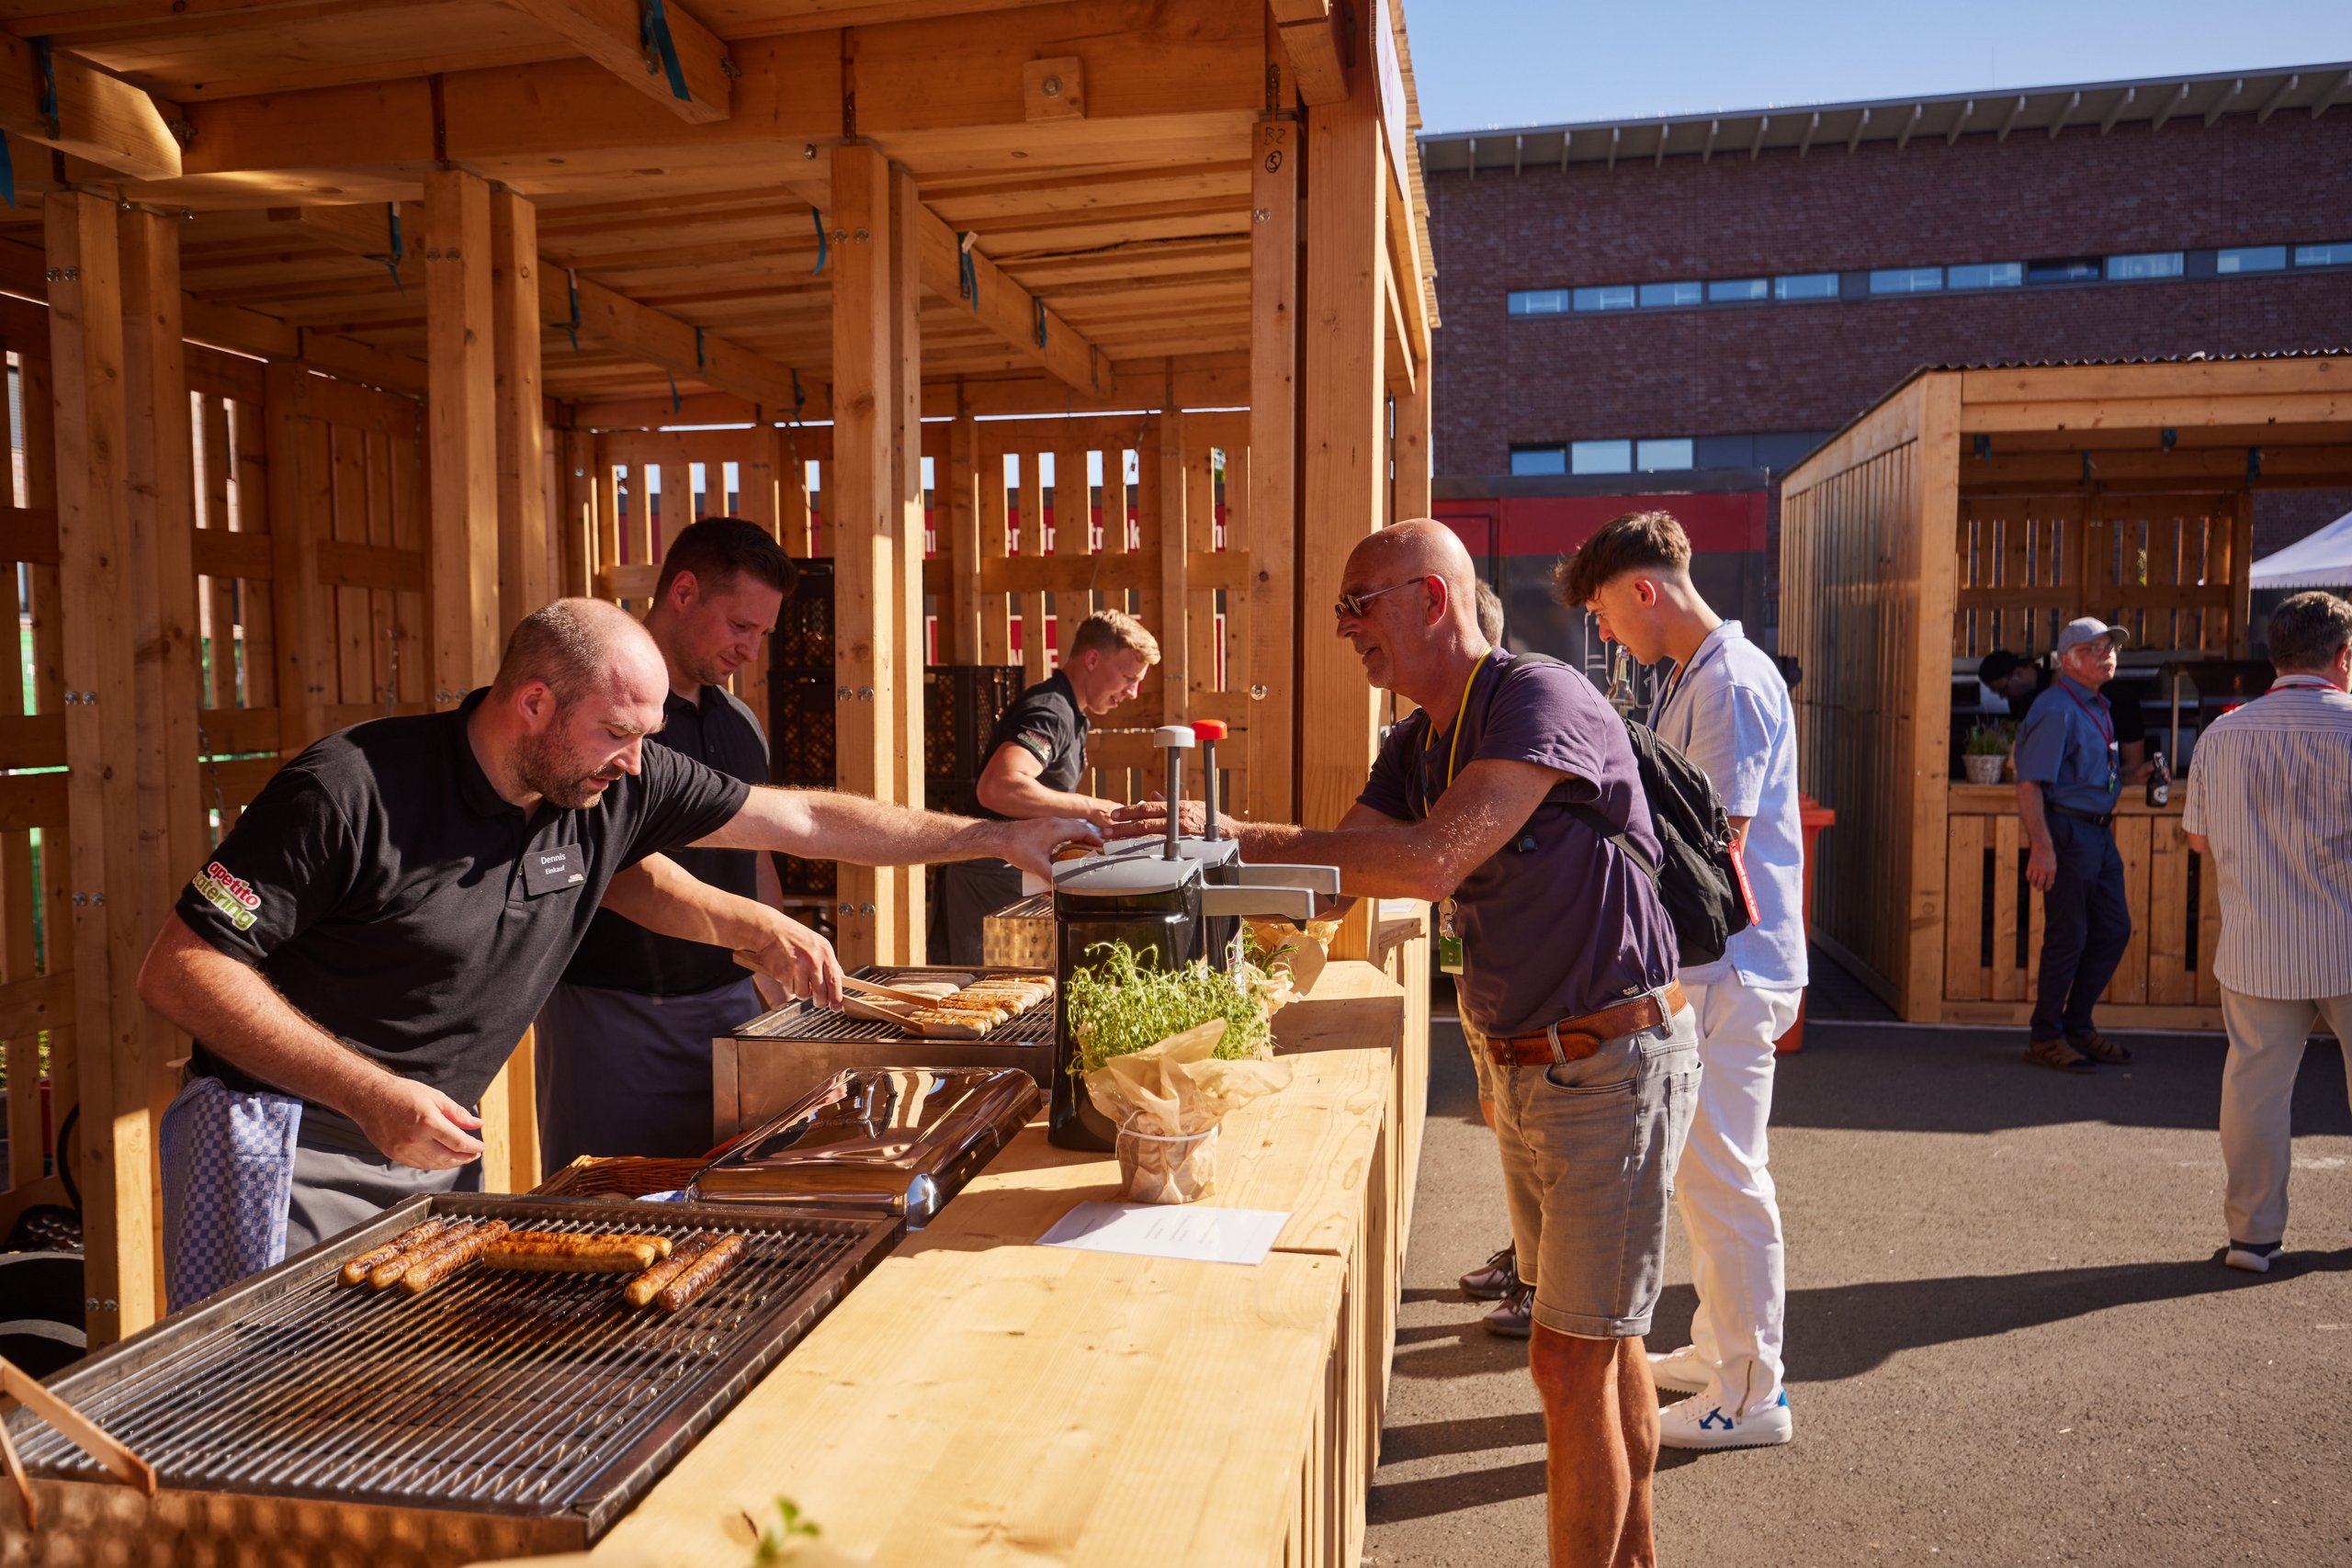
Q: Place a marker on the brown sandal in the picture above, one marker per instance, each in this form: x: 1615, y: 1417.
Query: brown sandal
x: 2058, y: 1055
x: 2099, y: 1048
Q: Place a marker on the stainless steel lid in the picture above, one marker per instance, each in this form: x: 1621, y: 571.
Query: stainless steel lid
x: 1138, y: 865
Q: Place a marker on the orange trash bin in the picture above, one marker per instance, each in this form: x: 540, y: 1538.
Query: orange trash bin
x: 1813, y: 816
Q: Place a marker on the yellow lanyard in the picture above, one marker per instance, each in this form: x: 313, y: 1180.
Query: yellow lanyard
x: 1454, y: 750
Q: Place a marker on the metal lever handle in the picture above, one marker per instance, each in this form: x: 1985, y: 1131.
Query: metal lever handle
x: 1323, y: 879
x: 1249, y: 901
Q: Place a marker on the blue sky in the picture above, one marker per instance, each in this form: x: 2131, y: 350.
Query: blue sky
x: 1490, y: 63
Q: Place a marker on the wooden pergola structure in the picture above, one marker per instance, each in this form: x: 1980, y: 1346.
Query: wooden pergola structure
x: 1977, y: 509
x: 347, y: 332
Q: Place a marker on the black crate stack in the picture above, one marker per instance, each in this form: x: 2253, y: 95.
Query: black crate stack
x: 960, y: 705
x: 800, y: 708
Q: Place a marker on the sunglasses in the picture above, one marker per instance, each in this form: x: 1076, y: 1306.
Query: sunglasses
x: 1350, y: 605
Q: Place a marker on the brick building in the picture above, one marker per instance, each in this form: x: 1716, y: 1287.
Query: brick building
x: 1690, y: 304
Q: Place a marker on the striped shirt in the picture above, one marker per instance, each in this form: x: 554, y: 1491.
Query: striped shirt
x: 2271, y: 791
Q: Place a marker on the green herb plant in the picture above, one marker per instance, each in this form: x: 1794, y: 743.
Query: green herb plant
x: 1989, y: 739
x: 778, y: 1539
x: 1119, y: 1006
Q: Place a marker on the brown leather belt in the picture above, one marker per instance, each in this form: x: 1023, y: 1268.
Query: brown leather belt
x: 1574, y: 1039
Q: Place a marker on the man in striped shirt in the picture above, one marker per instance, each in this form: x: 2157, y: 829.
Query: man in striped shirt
x: 2270, y: 806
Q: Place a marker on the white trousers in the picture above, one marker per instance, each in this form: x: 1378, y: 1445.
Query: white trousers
x: 1723, y: 1188
x: 2257, y: 1099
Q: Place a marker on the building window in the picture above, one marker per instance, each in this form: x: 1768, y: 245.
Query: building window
x: 2142, y: 267
x: 1985, y: 275
x: 1906, y: 280
x: 2064, y: 269
x: 2336, y: 255
x: 1806, y: 286
x: 1612, y: 297
x: 1600, y: 456
x: 1538, y: 460
x: 1539, y: 301
x: 1656, y: 294
x: 1655, y: 457
x: 1738, y: 289
x: 2251, y: 258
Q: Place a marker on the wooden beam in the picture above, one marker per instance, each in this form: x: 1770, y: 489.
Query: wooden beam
x: 1174, y: 630
x: 1006, y: 308
x: 609, y: 32
x: 524, y: 578
x: 1344, y: 438
x: 667, y: 343
x: 862, y: 525
x: 1273, y: 468
x: 363, y: 229
x: 94, y: 547
x: 1408, y: 452
x: 1932, y: 507
x: 462, y: 414
x: 172, y: 826
x: 100, y: 117
x: 902, y: 428
x: 1319, y: 36
x: 959, y: 492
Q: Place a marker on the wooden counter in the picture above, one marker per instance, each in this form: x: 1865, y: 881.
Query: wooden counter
x: 982, y: 1400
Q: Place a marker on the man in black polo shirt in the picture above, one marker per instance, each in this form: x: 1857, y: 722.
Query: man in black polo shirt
x: 361, y: 953
x: 1036, y: 758
x: 624, y: 1039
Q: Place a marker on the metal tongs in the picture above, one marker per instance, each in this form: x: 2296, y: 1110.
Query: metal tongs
x: 126, y: 1466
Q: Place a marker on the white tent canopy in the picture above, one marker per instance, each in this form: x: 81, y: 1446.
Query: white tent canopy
x: 2322, y: 559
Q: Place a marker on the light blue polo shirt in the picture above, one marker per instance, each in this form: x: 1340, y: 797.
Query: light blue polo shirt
x: 1729, y: 711
x: 2067, y: 746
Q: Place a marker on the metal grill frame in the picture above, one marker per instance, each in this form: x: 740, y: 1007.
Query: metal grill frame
x: 806, y: 1021
x: 683, y: 1412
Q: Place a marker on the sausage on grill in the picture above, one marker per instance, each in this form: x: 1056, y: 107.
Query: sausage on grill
x: 642, y: 1291
x: 700, y: 1274
x: 385, y: 1274
x: 559, y: 1252
x: 443, y: 1261
x: 409, y: 1240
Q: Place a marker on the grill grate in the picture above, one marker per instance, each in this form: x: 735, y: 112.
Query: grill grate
x: 495, y: 1391
x: 801, y: 1021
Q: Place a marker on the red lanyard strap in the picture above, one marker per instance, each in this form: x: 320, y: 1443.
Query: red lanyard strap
x: 2106, y: 728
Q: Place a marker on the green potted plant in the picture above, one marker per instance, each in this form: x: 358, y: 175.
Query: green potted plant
x: 1987, y: 748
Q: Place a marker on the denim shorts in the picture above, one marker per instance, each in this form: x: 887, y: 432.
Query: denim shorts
x: 1589, y: 1152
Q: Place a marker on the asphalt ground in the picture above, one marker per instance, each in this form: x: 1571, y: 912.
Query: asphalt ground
x: 2010, y: 1338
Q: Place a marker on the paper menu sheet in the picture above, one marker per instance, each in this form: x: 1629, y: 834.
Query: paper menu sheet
x: 1170, y: 1230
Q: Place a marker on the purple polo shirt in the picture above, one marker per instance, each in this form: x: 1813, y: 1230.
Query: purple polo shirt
x: 1557, y: 924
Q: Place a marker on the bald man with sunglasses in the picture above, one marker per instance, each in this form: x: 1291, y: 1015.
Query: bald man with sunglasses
x: 1497, y: 799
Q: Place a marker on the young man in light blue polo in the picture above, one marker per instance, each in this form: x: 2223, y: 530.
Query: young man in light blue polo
x: 1725, y: 707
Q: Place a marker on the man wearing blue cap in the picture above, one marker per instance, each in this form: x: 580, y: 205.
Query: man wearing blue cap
x: 2070, y: 772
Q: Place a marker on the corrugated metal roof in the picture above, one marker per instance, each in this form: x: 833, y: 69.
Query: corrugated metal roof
x: 2002, y: 112
x: 2197, y: 358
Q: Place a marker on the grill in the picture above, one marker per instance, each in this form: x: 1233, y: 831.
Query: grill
x: 498, y: 1413
x: 805, y: 1022
x: 764, y: 1067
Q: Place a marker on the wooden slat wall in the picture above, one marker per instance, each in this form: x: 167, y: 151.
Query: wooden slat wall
x: 1849, y: 541
x: 2164, y: 567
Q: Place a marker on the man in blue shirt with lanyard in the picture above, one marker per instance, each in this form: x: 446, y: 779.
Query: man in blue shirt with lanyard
x: 2070, y: 773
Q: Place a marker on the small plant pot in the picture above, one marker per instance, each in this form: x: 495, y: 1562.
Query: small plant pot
x: 1155, y: 1168
x: 1983, y: 770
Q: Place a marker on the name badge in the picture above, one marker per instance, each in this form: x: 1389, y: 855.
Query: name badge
x: 556, y: 870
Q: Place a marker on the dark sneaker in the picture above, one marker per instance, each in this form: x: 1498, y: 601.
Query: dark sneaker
x: 1493, y: 1279
x: 1515, y: 1318
x: 2059, y: 1055
x: 2099, y: 1048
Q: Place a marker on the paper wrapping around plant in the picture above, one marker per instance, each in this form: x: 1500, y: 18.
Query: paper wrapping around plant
x: 1175, y: 1090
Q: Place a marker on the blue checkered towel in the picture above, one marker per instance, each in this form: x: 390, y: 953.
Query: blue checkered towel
x: 228, y: 1181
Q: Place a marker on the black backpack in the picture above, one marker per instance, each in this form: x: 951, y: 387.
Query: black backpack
x: 1698, y: 878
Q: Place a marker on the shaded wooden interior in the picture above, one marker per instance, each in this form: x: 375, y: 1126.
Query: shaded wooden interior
x: 465, y: 302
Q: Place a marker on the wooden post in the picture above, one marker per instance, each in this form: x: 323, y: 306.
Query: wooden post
x: 462, y: 553
x: 1175, y: 573
x: 86, y: 324
x: 861, y: 527
x: 959, y: 506
x: 904, y: 259
x: 1344, y: 439
x: 577, y: 537
x: 461, y: 412
x: 165, y: 632
x: 1933, y: 509
x: 523, y: 582
x: 1409, y: 453
x: 298, y: 617
x: 1272, y: 794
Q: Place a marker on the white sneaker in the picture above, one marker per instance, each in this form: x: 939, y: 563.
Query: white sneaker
x: 2253, y: 1259
x: 1697, y: 1423
x: 1681, y: 1372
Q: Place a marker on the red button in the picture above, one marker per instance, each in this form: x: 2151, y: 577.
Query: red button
x: 1209, y: 730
